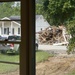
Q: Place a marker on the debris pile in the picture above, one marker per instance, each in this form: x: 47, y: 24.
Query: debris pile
x: 51, y: 35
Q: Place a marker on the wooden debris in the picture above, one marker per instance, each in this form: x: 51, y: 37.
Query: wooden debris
x: 51, y: 35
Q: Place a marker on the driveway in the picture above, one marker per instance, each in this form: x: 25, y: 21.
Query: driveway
x: 53, y: 48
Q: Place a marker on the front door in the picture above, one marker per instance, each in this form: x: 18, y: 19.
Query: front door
x: 7, y: 31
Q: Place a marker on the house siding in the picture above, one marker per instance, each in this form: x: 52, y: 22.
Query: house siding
x: 41, y: 23
x: 8, y: 29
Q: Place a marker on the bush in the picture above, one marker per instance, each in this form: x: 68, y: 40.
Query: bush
x: 71, y: 31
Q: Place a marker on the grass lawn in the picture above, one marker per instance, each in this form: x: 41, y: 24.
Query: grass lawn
x: 8, y: 67
x: 42, y: 56
x: 72, y: 73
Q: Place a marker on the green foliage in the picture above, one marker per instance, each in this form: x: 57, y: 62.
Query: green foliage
x: 61, y: 11
x: 58, y: 11
x: 39, y: 1
x: 7, y: 9
x: 38, y: 8
x: 71, y: 30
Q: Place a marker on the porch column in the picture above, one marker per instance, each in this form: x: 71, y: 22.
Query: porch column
x: 2, y: 30
x: 11, y: 28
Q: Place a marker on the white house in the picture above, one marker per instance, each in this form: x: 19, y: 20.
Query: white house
x: 9, y: 26
x: 41, y: 23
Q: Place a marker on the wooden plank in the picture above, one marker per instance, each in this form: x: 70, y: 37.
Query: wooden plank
x: 61, y: 43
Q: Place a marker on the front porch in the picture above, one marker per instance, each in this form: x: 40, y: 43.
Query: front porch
x: 9, y: 28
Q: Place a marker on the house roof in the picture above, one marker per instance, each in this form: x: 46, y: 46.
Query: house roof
x: 13, y: 18
x: 17, y: 18
x: 37, y: 16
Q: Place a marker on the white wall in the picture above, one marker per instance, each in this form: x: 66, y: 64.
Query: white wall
x: 0, y: 30
x: 41, y: 23
x: 15, y: 26
x: 8, y: 25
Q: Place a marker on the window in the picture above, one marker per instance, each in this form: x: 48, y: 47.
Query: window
x: 6, y: 31
x: 8, y: 22
x: 27, y: 53
x: 18, y: 30
x: 27, y: 67
x: 13, y: 31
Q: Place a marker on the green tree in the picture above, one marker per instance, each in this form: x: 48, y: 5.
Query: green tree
x: 16, y: 9
x: 38, y: 8
x: 63, y: 12
x: 56, y: 11
x: 59, y: 11
x: 71, y: 30
x: 42, y: 8
x: 8, y: 9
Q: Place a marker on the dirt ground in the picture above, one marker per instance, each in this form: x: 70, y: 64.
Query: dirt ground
x: 16, y: 72
x: 58, y: 65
